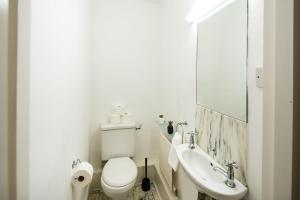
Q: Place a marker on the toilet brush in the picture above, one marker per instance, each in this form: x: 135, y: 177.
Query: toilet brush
x: 146, y: 181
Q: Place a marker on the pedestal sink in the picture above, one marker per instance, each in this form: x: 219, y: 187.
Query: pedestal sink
x: 199, y: 167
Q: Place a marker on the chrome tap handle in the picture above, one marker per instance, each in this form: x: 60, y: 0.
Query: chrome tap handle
x: 231, y: 164
x: 230, y: 172
x: 192, y: 140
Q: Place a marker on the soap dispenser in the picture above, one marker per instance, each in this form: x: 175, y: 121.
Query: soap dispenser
x: 170, y: 127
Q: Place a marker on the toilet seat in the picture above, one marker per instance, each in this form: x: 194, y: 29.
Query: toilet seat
x: 118, y: 173
x: 116, y: 190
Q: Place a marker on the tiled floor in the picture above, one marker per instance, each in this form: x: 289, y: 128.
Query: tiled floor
x: 136, y: 194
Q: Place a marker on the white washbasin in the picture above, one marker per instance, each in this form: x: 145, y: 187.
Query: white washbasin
x: 199, y: 167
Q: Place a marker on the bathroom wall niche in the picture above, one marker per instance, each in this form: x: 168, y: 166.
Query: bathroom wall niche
x: 222, y: 59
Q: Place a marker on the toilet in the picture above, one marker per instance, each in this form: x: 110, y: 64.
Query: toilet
x: 117, y: 148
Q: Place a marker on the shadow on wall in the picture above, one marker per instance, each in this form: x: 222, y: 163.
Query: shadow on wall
x: 95, y: 150
x: 95, y: 158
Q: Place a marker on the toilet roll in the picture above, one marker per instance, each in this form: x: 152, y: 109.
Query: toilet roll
x: 118, y: 109
x: 126, y: 117
x: 82, y: 175
x: 115, y: 119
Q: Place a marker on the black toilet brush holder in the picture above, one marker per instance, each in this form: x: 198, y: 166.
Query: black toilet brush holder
x: 146, y: 180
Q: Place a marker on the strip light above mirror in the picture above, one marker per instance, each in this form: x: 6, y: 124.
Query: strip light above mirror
x: 196, y: 16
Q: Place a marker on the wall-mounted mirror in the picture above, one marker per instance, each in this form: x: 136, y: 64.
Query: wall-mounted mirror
x: 222, y: 59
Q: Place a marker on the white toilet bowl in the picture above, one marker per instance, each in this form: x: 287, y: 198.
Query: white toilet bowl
x: 118, y: 177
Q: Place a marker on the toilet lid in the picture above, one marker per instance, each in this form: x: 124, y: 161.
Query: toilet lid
x: 119, y: 172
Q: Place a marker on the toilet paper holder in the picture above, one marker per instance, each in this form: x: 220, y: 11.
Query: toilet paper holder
x: 75, y: 163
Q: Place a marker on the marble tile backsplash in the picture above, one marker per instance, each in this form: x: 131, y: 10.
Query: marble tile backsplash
x: 223, y: 138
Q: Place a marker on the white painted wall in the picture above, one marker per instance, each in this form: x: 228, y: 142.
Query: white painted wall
x: 179, y: 42
x: 126, y: 70
x: 178, y: 61
x: 3, y: 100
x: 278, y: 99
x: 58, y: 93
x: 255, y: 102
x: 23, y: 94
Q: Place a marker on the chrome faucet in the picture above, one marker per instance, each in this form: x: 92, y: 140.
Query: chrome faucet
x: 192, y: 138
x: 229, y: 174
